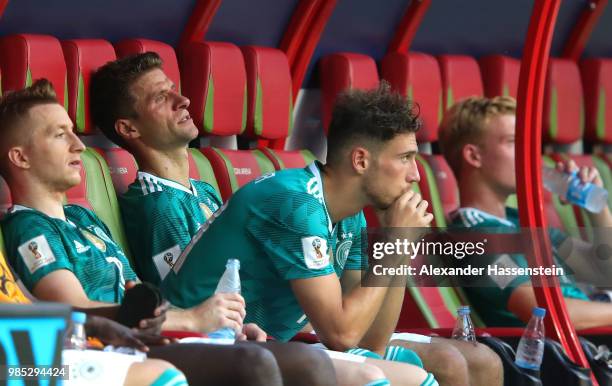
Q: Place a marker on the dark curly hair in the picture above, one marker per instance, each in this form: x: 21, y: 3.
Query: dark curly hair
x: 109, y: 96
x: 371, y: 116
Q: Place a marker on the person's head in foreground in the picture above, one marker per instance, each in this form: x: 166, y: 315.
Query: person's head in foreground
x: 372, y: 141
x: 138, y: 107
x: 477, y: 139
x: 37, y: 143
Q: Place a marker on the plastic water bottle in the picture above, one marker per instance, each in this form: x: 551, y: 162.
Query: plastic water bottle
x: 531, y: 347
x: 464, y: 328
x: 76, y: 339
x: 228, y: 284
x: 589, y: 196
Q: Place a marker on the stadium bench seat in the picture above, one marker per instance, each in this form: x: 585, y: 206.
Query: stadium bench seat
x: 214, y: 79
x: 596, y: 75
x: 270, y: 104
x: 25, y: 58
x: 83, y: 57
x: 460, y: 78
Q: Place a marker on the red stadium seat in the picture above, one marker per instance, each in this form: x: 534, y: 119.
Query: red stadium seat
x: 460, y: 78
x: 597, y: 82
x: 417, y: 76
x: 214, y: 79
x: 270, y: 104
x: 563, y: 120
x: 344, y: 71
x: 166, y: 52
x: 83, y: 57
x: 26, y: 58
x: 500, y: 75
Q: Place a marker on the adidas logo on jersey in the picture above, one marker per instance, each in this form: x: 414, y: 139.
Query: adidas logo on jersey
x: 80, y: 247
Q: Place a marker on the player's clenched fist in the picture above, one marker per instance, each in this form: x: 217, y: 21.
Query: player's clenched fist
x: 408, y: 210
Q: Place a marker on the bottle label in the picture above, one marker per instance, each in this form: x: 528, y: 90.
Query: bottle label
x: 577, y: 192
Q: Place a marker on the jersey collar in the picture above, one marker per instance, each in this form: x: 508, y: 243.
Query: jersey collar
x: 148, y: 177
x: 475, y: 215
x: 19, y: 208
x: 314, y: 169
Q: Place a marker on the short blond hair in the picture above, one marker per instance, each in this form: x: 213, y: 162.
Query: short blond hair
x: 14, y: 108
x: 465, y: 122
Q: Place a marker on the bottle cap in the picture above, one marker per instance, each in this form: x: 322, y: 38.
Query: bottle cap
x: 539, y: 312
x: 463, y: 310
x: 233, y: 263
x: 79, y: 317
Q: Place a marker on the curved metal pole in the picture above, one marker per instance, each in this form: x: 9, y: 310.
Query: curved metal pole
x: 3, y: 4
x: 528, y: 167
x: 574, y: 47
x: 309, y: 43
x: 199, y: 21
x: 405, y: 31
x: 298, y: 28
x: 300, y: 40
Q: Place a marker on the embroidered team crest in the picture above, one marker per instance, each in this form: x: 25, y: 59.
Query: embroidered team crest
x: 315, y: 252
x: 342, y: 252
x: 36, y: 253
x: 95, y: 240
x: 101, y: 234
x: 206, y: 210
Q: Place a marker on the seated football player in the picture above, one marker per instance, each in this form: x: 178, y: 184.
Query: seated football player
x: 477, y: 138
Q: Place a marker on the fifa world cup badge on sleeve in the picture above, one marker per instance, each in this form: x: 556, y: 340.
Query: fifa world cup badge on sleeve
x: 315, y: 252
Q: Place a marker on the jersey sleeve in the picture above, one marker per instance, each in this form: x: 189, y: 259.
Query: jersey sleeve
x: 356, y: 259
x: 292, y: 229
x: 157, y: 230
x: 35, y: 248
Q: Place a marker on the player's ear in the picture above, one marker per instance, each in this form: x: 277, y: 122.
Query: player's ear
x: 471, y: 154
x: 18, y: 156
x: 126, y: 129
x: 360, y: 159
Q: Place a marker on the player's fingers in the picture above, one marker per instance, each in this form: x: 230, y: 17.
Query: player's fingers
x: 422, y: 206
x: 233, y: 297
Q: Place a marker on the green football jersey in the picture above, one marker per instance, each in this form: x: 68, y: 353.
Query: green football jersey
x: 160, y: 217
x: 280, y: 230
x: 491, y: 300
x: 38, y: 245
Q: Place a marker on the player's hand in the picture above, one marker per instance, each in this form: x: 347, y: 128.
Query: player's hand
x: 113, y: 333
x: 154, y: 325
x: 408, y: 210
x: 218, y: 311
x: 585, y: 173
x: 251, y: 331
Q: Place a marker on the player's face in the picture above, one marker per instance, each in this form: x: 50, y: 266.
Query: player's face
x: 163, y: 120
x: 393, y: 170
x: 497, y: 153
x: 53, y: 150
